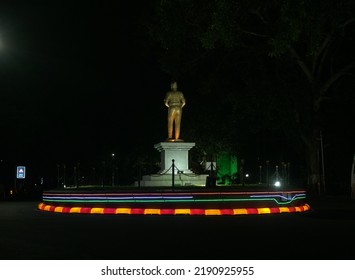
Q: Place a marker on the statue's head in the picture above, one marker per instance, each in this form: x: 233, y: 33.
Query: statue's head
x: 173, y: 85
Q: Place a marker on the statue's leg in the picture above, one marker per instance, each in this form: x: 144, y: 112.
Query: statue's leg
x: 177, y: 123
x: 170, y: 123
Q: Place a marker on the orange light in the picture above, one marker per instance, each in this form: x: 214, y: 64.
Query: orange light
x: 176, y: 211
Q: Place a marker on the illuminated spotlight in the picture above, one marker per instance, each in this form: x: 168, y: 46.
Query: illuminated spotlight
x: 247, y: 175
x: 277, y: 184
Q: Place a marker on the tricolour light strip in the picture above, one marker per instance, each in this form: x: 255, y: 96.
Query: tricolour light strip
x: 172, y: 211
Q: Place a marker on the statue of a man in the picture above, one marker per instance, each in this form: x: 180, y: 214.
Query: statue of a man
x: 175, y: 101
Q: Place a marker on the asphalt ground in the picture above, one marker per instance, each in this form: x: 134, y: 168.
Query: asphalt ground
x: 327, y: 231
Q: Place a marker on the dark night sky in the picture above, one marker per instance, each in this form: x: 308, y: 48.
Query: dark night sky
x: 76, y: 83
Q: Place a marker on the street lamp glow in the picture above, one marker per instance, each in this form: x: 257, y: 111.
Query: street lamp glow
x: 277, y: 184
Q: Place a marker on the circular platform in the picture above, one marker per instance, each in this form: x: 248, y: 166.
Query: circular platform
x: 150, y: 201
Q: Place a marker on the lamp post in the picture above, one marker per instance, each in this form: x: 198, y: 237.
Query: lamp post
x: 277, y: 182
x: 58, y: 175
x: 284, y: 174
x: 242, y: 171
x: 78, y: 175
x: 93, y: 175
x: 267, y: 173
x: 288, y: 174
x: 103, y: 173
x: 75, y: 177
x: 64, y: 174
x: 113, y: 169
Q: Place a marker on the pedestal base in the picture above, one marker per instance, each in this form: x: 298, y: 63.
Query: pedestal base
x: 177, y: 153
x: 165, y: 180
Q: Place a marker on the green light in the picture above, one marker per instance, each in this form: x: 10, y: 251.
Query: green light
x: 227, y: 168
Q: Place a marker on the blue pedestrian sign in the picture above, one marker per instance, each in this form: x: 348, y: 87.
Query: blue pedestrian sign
x: 21, y: 172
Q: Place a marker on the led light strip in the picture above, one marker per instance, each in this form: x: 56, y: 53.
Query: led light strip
x: 176, y: 192
x: 147, y: 194
x: 286, y: 198
x: 170, y: 200
x: 173, y: 211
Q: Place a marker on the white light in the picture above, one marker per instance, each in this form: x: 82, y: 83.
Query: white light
x: 247, y: 175
x: 277, y: 184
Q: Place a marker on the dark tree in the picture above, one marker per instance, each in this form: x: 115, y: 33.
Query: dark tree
x: 289, y: 59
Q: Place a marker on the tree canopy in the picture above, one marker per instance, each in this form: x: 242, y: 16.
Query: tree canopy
x: 261, y: 69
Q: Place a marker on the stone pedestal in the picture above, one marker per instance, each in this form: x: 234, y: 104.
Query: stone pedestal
x: 183, y: 176
x: 177, y: 151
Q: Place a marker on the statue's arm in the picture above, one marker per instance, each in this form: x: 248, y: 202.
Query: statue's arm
x: 166, y: 100
x: 183, y: 101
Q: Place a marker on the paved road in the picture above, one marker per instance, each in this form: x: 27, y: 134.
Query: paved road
x: 327, y: 231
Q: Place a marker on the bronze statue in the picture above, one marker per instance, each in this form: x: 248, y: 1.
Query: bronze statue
x: 175, y: 101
